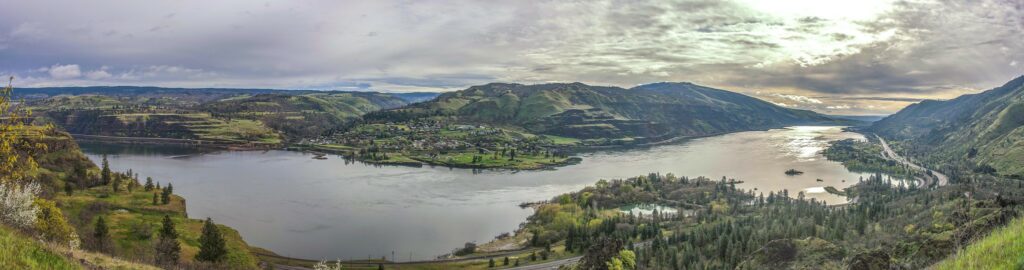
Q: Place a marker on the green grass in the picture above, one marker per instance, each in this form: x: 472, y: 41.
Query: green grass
x: 237, y: 130
x: 522, y: 161
x: 22, y: 252
x: 136, y: 207
x: 562, y: 140
x: 1003, y: 249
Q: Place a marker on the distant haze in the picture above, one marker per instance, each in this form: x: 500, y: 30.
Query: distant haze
x: 836, y: 57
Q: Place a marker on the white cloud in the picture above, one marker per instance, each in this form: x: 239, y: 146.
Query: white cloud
x: 799, y: 98
x: 98, y: 75
x: 62, y: 72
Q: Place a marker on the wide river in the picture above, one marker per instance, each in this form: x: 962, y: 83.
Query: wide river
x: 329, y: 209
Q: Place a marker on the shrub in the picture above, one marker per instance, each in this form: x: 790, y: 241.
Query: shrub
x: 51, y: 225
x: 141, y: 230
x: 17, y: 207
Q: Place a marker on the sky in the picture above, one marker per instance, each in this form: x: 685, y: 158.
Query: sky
x: 842, y: 57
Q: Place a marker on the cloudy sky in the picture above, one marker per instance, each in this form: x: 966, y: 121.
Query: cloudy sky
x: 855, y: 57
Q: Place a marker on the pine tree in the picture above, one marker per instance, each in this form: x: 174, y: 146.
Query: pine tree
x: 105, y: 173
x: 506, y: 261
x: 68, y: 189
x: 101, y: 233
x: 165, y: 197
x: 149, y: 184
x: 116, y: 185
x: 211, y: 243
x: 155, y: 201
x: 490, y: 264
x: 168, y: 251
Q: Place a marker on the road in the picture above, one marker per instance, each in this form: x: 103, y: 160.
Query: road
x: 942, y: 179
x: 549, y: 265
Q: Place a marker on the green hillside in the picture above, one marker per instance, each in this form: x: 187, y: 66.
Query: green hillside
x: 1003, y: 249
x: 302, y: 116
x: 224, y: 116
x: 645, y: 113
x: 982, y: 131
x: 23, y: 252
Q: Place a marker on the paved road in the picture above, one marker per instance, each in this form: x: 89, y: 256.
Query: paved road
x: 549, y: 265
x: 942, y: 179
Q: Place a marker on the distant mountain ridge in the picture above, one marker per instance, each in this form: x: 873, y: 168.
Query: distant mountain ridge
x: 206, y: 94
x: 986, y: 128
x: 647, y: 112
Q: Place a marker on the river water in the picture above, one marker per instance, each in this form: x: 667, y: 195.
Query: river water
x: 330, y: 209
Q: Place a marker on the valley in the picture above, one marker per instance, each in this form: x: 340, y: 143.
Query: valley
x: 422, y: 162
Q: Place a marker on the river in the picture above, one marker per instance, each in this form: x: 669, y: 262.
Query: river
x: 331, y: 209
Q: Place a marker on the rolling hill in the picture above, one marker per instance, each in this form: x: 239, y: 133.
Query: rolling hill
x: 984, y: 129
x: 230, y: 116
x: 649, y: 112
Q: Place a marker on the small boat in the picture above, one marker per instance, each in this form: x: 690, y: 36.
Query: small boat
x: 320, y: 156
x: 793, y: 172
x: 819, y: 180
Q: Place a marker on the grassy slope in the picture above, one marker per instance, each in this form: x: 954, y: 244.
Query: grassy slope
x: 242, y: 117
x: 21, y: 252
x: 126, y: 209
x: 991, y: 122
x: 589, y: 112
x: 1003, y: 249
x: 121, y: 210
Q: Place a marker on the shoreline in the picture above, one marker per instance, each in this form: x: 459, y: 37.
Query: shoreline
x: 417, y: 162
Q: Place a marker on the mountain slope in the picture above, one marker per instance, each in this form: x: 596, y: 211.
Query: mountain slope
x: 230, y: 116
x: 986, y: 129
x: 647, y: 112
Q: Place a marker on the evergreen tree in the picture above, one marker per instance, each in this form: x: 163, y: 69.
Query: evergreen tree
x: 165, y: 196
x: 211, y: 243
x: 168, y: 251
x: 68, y: 189
x: 155, y: 201
x: 101, y: 234
x: 149, y: 184
x: 490, y: 263
x: 116, y: 185
x: 506, y: 261
x: 167, y: 230
x: 105, y: 172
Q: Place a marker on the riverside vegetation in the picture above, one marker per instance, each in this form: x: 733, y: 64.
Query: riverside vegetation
x: 490, y: 126
x: 890, y: 226
x: 887, y: 225
x: 86, y: 216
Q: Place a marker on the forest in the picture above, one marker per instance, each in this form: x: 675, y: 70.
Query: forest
x: 885, y: 226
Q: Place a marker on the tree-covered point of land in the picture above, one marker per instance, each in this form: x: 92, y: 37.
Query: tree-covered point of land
x: 717, y: 225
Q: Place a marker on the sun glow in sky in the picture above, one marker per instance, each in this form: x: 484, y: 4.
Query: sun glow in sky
x: 825, y: 9
x: 852, y: 57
